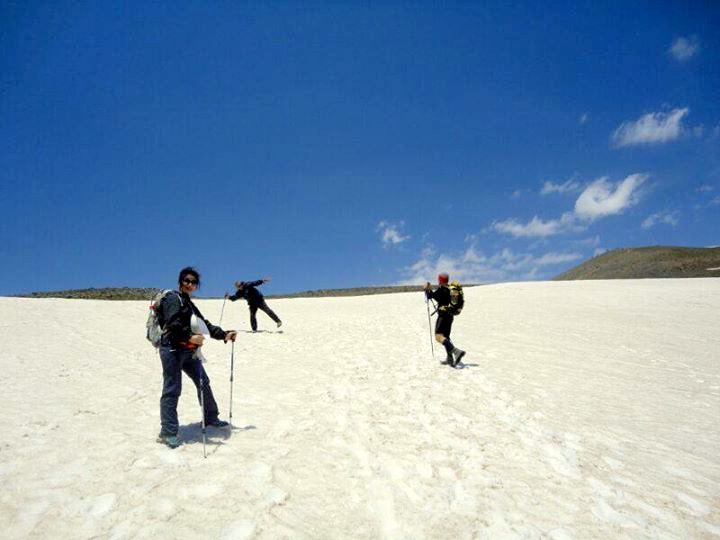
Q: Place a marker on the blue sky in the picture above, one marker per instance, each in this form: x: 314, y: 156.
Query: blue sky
x: 349, y: 144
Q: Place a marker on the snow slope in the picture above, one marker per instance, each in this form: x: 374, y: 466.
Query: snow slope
x: 587, y: 410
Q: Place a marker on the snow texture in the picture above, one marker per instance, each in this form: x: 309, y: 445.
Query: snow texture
x: 587, y: 410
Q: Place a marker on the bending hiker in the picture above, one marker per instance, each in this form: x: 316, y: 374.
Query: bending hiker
x: 255, y: 300
x: 178, y: 351
x: 448, y: 307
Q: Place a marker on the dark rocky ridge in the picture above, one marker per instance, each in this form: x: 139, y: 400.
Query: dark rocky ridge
x: 648, y: 262
x: 134, y: 293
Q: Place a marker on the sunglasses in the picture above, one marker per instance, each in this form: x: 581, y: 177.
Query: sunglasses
x: 187, y: 281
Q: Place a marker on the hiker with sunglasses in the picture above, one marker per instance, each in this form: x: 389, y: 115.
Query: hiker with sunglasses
x: 183, y: 326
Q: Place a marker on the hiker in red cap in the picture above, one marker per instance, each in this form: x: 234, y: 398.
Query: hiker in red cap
x: 448, y: 307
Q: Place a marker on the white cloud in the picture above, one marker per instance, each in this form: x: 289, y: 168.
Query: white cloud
x: 668, y: 218
x: 592, y: 241
x: 683, y: 49
x: 536, y: 226
x: 652, y: 128
x: 599, y: 199
x: 716, y: 200
x: 599, y: 251
x: 705, y: 188
x: 583, y: 119
x: 602, y: 198
x: 516, y: 194
x: 472, y: 266
x: 556, y: 258
x: 390, y: 233
x: 566, y: 187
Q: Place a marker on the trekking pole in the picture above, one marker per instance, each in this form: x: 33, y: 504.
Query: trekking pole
x: 202, y: 408
x: 222, y: 311
x: 232, y: 365
x: 432, y: 347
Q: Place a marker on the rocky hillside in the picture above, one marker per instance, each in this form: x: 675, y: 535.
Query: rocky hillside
x: 355, y: 291
x: 649, y: 262
x: 133, y: 293
x: 105, y: 293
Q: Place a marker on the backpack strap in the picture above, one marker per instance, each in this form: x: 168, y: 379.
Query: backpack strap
x: 159, y: 304
x: 441, y: 308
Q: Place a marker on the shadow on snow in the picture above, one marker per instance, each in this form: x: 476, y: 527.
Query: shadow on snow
x: 192, y: 433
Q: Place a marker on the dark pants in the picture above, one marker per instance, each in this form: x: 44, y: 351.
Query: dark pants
x: 266, y: 309
x: 174, y: 362
x: 443, y: 325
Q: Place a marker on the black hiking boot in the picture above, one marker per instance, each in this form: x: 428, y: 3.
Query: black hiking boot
x: 457, y: 357
x: 217, y: 423
x: 171, y: 441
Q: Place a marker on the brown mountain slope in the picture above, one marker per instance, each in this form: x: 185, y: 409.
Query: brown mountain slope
x: 136, y: 293
x: 649, y: 262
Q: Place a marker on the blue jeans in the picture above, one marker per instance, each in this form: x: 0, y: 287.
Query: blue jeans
x: 174, y: 362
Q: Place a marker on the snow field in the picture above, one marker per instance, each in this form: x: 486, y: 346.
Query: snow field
x: 587, y: 410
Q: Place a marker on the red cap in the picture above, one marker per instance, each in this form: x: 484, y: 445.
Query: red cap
x: 443, y: 278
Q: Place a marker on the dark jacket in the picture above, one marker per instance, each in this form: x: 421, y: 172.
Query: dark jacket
x: 441, y: 295
x: 174, y: 316
x: 249, y: 293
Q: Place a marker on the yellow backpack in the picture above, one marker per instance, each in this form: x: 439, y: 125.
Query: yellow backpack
x: 457, y: 299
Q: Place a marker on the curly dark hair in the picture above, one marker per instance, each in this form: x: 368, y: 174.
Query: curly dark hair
x: 189, y: 271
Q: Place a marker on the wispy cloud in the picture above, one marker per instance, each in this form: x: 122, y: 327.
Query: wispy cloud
x: 683, y: 49
x: 472, y: 266
x: 593, y: 241
x: 536, y: 227
x: 652, y: 128
x: 583, y: 118
x: 390, y: 233
x: 555, y: 258
x: 566, y: 187
x: 665, y: 217
x: 705, y: 188
x: 706, y: 199
x: 603, y: 198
